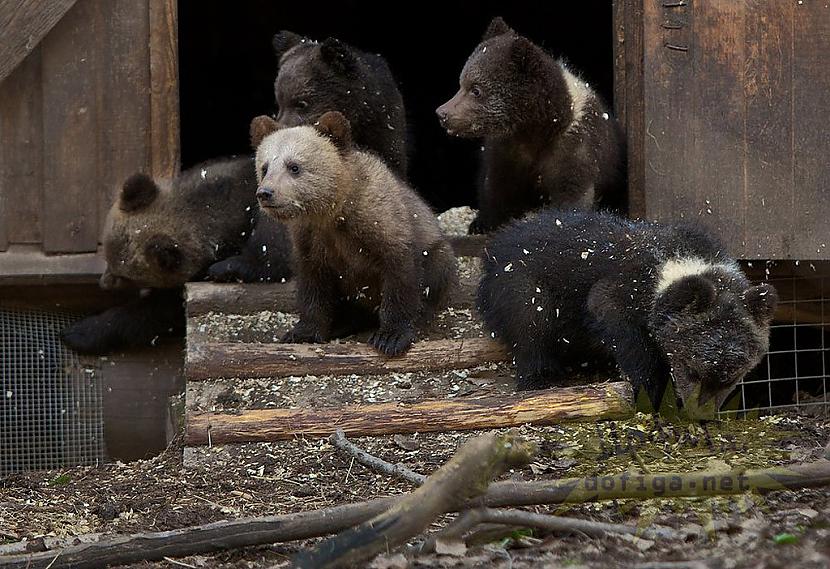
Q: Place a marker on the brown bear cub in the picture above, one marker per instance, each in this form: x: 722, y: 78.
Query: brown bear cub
x: 368, y: 251
x: 157, y: 237
x: 316, y: 77
x: 549, y: 140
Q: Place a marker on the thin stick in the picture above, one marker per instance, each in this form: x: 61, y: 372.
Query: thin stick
x: 520, y: 518
x: 466, y: 475
x: 339, y: 440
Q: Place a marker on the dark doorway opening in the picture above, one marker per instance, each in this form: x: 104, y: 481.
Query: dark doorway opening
x: 227, y: 67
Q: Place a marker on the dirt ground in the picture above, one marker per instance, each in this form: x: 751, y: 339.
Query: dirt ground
x: 183, y: 487
x: 782, y: 529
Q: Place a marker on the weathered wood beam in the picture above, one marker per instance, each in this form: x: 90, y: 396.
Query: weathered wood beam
x: 23, y: 23
x: 217, y: 360
x: 592, y: 402
x: 235, y: 298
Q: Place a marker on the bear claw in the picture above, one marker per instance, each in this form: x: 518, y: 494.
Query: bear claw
x: 392, y: 343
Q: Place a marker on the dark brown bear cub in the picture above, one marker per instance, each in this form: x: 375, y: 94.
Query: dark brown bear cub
x: 317, y: 77
x: 158, y: 236
x: 549, y: 139
x: 368, y: 250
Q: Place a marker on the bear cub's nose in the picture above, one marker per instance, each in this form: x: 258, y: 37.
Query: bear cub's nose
x: 442, y: 115
x: 264, y: 194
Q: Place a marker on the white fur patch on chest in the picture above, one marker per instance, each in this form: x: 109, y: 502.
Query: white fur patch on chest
x: 675, y: 269
x: 579, y: 91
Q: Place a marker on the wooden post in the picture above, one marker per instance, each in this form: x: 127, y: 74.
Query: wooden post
x: 592, y: 402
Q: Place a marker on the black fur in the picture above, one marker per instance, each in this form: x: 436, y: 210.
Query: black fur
x: 206, y: 226
x: 562, y: 288
x: 140, y: 322
x: 316, y: 77
x: 536, y: 152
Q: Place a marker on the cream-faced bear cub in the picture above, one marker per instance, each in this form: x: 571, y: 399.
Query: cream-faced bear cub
x: 663, y: 302
x: 549, y: 140
x: 368, y: 251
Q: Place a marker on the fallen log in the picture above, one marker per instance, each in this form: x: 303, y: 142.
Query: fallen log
x: 466, y: 475
x: 218, y: 360
x: 244, y: 532
x: 547, y: 407
x: 235, y: 298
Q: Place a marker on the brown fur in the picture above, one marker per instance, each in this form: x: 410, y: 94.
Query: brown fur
x: 363, y: 240
x: 548, y: 138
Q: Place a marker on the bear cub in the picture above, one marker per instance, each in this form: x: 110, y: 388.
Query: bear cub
x: 368, y: 251
x: 549, y: 140
x: 663, y: 302
x: 316, y: 77
x: 158, y: 237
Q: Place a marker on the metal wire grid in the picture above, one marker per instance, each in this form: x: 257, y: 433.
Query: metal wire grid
x: 793, y: 373
x: 51, y: 412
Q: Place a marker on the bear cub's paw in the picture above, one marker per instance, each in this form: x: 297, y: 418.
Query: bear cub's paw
x: 233, y: 270
x: 90, y: 336
x: 393, y: 342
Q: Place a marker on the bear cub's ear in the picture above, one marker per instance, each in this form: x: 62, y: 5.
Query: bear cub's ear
x: 761, y: 301
x: 694, y: 294
x: 284, y: 41
x: 497, y: 27
x: 339, y: 57
x: 138, y: 192
x: 261, y: 127
x: 336, y: 127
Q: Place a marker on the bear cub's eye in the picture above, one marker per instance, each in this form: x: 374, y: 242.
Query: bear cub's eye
x: 301, y: 104
x: 293, y: 168
x: 263, y: 169
x: 475, y: 91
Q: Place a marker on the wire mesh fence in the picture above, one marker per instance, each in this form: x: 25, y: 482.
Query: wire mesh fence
x: 793, y: 374
x: 51, y: 412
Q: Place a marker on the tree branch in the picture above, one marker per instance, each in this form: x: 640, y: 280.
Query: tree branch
x: 466, y: 475
x: 339, y: 440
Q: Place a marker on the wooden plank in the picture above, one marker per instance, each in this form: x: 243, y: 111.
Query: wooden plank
x: 71, y: 55
x: 217, y: 360
x: 164, y: 90
x: 124, y: 97
x: 811, y: 143
x: 620, y: 25
x: 468, y: 245
x: 26, y: 264
x: 23, y: 24
x: 633, y: 120
x: 255, y: 297
x: 768, y: 189
x: 21, y: 154
x: 547, y: 407
x: 667, y: 74
x: 715, y: 174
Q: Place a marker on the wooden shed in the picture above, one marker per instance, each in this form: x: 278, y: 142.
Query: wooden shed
x: 723, y: 103
x: 88, y: 95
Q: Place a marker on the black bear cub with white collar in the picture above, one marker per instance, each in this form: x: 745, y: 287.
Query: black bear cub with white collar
x: 664, y: 302
x: 549, y: 140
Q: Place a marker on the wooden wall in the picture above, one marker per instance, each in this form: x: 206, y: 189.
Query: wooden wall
x: 732, y: 129
x: 94, y: 101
